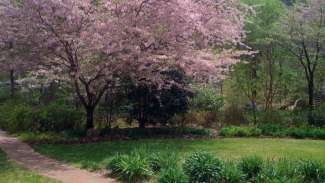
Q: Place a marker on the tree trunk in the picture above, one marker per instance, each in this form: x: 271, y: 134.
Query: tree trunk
x: 311, y: 88
x: 142, y: 124
x: 12, y: 83
x: 90, y: 117
x: 254, y: 89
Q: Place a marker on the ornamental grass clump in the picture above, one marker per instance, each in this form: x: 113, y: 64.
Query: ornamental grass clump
x: 251, y: 166
x: 312, y: 171
x: 132, y: 168
x: 203, y: 167
x: 172, y: 174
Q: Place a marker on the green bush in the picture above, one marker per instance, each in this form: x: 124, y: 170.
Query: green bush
x: 234, y: 131
x: 274, y: 130
x: 172, y: 174
x: 271, y: 129
x: 286, y: 168
x: 156, y: 132
x: 232, y: 174
x: 58, y: 118
x: 160, y: 161
x: 17, y: 117
x: 251, y: 166
x: 297, y: 133
x: 312, y: 171
x: 203, y: 167
x: 133, y: 168
x: 274, y: 116
x: 20, y: 117
x: 207, y: 98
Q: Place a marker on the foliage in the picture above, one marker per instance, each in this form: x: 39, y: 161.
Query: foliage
x: 251, y: 166
x: 95, y: 47
x: 319, y: 115
x: 207, y: 98
x: 271, y: 129
x: 149, y: 104
x: 234, y: 131
x: 85, y: 155
x: 312, y: 171
x: 157, y: 132
x: 57, y: 118
x: 172, y: 174
x: 159, y: 161
x: 302, y: 32
x: 23, y: 117
x: 17, y: 117
x: 133, y: 168
x: 274, y: 130
x: 199, y: 118
x: 232, y: 174
x: 203, y: 167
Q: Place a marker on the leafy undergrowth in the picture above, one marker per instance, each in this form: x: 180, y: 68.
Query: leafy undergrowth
x: 272, y: 131
x: 139, y: 166
x: 82, y: 136
x: 12, y: 173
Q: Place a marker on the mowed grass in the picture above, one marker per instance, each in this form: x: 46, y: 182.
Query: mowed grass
x: 12, y: 173
x: 95, y: 156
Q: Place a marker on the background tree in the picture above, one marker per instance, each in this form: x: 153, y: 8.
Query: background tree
x: 16, y: 53
x: 259, y: 79
x: 304, y: 31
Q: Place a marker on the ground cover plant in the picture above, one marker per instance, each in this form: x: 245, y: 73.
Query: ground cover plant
x: 205, y: 167
x: 83, y: 136
x: 273, y: 131
x: 12, y: 173
x: 96, y: 155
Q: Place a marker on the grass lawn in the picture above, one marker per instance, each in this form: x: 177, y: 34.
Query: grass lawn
x: 95, y: 156
x: 12, y: 173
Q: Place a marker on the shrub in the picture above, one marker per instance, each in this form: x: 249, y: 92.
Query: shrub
x: 317, y: 133
x: 160, y: 161
x: 281, y: 180
x: 234, y: 131
x: 286, y: 168
x: 270, y: 129
x: 232, y: 174
x: 274, y: 116
x: 17, y: 117
x: 56, y: 117
x: 297, y: 133
x: 207, y: 98
x: 22, y: 117
x: 202, y: 118
x: 268, y: 173
x: 251, y: 166
x: 173, y: 174
x: 133, y: 168
x: 156, y: 132
x: 196, y: 132
x: 312, y: 171
x: 203, y: 167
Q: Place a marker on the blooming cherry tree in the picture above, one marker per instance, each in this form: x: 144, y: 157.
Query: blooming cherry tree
x: 93, y: 42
